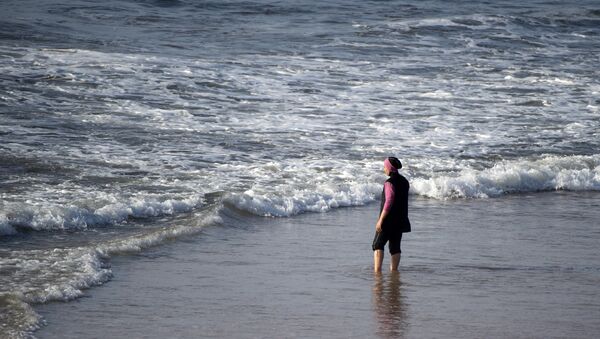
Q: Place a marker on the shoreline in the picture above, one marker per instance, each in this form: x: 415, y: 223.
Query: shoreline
x: 463, y: 269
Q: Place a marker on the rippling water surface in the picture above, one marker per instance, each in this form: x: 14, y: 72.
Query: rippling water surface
x: 116, y: 119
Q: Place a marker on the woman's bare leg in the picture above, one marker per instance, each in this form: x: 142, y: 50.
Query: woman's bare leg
x: 377, y: 260
x: 395, y: 262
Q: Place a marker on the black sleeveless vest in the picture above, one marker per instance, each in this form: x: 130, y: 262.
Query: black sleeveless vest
x: 397, y: 218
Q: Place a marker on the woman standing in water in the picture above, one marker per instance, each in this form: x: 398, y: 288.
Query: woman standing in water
x: 393, y: 215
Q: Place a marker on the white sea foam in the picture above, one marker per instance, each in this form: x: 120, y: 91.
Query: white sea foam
x: 52, y: 216
x: 437, y: 94
x: 291, y: 187
x: 17, y: 318
x: 478, y: 22
x: 544, y: 174
x: 560, y: 81
x: 296, y: 201
x: 137, y: 243
x: 56, y: 274
x: 427, y: 22
x: 313, y: 191
x: 40, y: 276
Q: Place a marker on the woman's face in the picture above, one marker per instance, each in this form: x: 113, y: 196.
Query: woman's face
x: 385, y: 170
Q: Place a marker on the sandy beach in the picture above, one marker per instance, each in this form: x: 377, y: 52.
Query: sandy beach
x: 523, y: 266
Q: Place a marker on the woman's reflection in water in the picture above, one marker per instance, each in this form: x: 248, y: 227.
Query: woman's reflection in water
x: 388, y: 306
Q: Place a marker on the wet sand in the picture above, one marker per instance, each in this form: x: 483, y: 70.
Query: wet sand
x: 523, y: 266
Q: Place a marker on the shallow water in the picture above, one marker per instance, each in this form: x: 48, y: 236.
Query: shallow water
x: 521, y: 267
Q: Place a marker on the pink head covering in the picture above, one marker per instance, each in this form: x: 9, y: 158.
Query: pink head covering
x: 388, y: 165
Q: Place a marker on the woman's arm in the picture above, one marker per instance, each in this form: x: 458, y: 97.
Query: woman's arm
x: 384, y: 214
x: 388, y: 190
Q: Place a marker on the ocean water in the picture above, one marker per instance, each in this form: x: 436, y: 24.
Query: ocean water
x: 119, y: 120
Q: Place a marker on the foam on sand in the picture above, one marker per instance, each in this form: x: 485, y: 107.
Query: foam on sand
x: 17, y: 318
x: 61, y: 274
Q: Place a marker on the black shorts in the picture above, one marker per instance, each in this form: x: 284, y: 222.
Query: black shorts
x: 384, y: 236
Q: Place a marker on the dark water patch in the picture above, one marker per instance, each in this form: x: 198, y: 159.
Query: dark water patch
x: 579, y: 23
x: 59, y: 96
x: 14, y: 165
x: 48, y: 79
x: 371, y: 31
x: 532, y: 22
x: 526, y: 73
x: 213, y: 84
x: 270, y: 10
x: 509, y: 43
x: 401, y: 11
x: 26, y: 34
x: 517, y: 90
x: 144, y: 19
x: 437, y: 30
x: 422, y: 70
x: 138, y: 173
x: 90, y: 12
x: 467, y: 22
x: 307, y: 90
x: 534, y: 103
x: 181, y: 47
x: 162, y: 3
x: 99, y: 180
x: 251, y: 8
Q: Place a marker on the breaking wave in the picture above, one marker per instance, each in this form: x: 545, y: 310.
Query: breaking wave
x: 56, y: 217
x: 549, y: 173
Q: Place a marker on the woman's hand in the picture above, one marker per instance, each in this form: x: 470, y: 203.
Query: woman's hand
x: 384, y: 214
